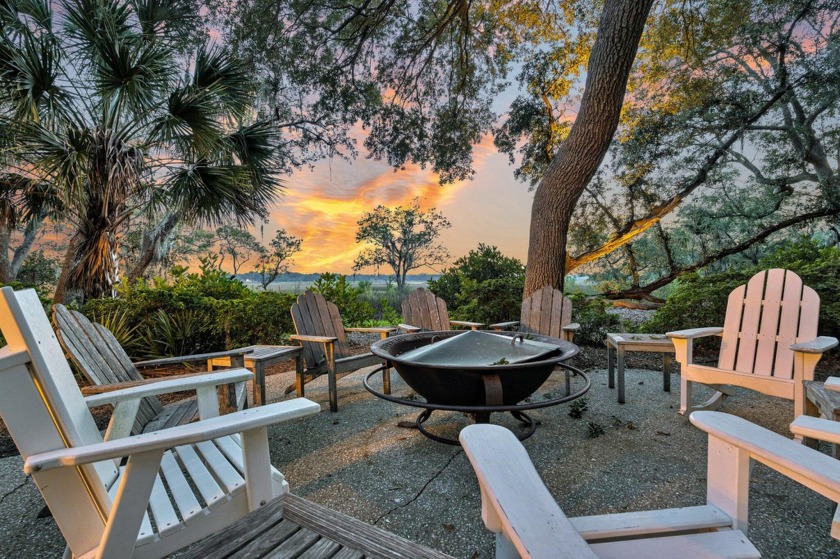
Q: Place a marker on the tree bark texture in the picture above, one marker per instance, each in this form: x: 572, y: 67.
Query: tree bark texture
x: 579, y: 157
x: 150, y: 248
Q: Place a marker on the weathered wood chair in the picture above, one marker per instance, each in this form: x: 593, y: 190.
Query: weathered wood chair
x: 769, y: 344
x: 528, y: 523
x: 191, y: 480
x: 99, y: 357
x: 423, y: 310
x: 319, y: 329
x: 546, y: 311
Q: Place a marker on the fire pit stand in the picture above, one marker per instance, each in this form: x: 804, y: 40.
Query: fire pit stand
x: 481, y: 413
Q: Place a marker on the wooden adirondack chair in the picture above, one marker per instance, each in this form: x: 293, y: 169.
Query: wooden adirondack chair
x: 548, y: 312
x: 769, y: 344
x: 102, y: 509
x: 423, y: 310
x: 325, y: 348
x: 99, y: 356
x: 528, y: 523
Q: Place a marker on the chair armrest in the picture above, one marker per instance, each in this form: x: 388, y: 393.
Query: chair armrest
x: 816, y: 428
x: 807, y: 466
x: 503, y: 325
x: 514, y: 501
x: 189, y: 358
x: 571, y: 327
x: 314, y: 339
x: 408, y: 328
x: 819, y: 345
x: 213, y: 428
x: 472, y: 325
x: 102, y: 388
x: 695, y: 333
x: 167, y: 386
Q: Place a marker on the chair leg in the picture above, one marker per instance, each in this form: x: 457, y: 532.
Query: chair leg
x: 386, y: 379
x: 333, y: 390
x: 686, y: 398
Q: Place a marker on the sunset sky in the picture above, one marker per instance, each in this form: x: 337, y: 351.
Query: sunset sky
x: 322, y: 206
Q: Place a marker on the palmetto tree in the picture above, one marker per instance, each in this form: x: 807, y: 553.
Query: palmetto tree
x: 122, y: 107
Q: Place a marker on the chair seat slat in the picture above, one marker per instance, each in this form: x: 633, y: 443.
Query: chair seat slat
x: 188, y: 505
x: 166, y: 519
x: 221, y: 467
x: 201, y: 477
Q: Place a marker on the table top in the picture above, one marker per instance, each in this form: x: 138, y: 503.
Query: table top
x: 659, y: 342
x: 259, y: 352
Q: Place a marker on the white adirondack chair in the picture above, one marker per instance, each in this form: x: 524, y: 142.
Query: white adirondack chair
x: 769, y: 344
x: 147, y: 508
x: 517, y: 506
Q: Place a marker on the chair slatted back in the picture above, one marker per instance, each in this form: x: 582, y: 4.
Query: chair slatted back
x: 43, y: 408
x: 546, y: 312
x: 313, y: 315
x: 101, y: 358
x: 765, y: 316
x: 424, y: 309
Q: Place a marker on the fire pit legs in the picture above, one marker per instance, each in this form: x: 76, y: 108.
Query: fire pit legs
x: 527, y: 422
x: 481, y: 413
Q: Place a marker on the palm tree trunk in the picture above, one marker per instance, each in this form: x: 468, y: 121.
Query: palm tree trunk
x: 579, y: 157
x: 62, y: 290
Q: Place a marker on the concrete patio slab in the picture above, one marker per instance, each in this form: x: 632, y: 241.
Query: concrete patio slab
x: 358, y: 461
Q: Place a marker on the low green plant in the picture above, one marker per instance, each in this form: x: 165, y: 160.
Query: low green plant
x: 354, y: 309
x: 595, y: 322
x: 578, y: 408
x: 173, y: 334
x: 193, y: 313
x: 594, y: 430
x: 124, y: 330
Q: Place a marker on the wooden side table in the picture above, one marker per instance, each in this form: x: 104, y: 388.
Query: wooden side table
x: 621, y: 343
x: 823, y: 399
x: 257, y: 358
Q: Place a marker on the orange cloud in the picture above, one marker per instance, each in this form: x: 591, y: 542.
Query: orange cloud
x: 323, y: 206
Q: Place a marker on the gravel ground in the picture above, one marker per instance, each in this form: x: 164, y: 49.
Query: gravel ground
x: 359, y: 462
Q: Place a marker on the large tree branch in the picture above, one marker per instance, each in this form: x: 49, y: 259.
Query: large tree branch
x: 643, y: 292
x: 638, y: 226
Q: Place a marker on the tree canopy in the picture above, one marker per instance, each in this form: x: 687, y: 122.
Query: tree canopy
x: 403, y: 238
x: 111, y: 110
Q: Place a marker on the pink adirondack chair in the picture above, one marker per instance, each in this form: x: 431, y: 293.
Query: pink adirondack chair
x: 769, y: 345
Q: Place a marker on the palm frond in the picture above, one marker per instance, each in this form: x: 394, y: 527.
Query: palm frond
x: 132, y: 71
x: 94, y: 22
x: 167, y: 18
x: 28, y: 75
x: 190, y: 121
x: 218, y: 72
x: 38, y: 12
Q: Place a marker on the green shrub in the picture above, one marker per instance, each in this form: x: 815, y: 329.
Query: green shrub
x: 354, y: 309
x: 595, y: 322
x: 194, y: 313
x: 489, y: 301
x: 483, y: 286
x: 700, y: 299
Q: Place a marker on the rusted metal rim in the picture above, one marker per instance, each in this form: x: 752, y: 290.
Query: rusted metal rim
x: 487, y: 408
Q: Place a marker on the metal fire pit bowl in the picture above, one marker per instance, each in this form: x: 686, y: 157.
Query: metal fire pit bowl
x: 476, y: 372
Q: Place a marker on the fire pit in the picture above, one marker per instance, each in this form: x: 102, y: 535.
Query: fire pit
x: 476, y: 372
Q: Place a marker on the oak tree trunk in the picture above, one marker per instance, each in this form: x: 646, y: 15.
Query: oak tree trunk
x: 150, y: 248
x: 580, y: 155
